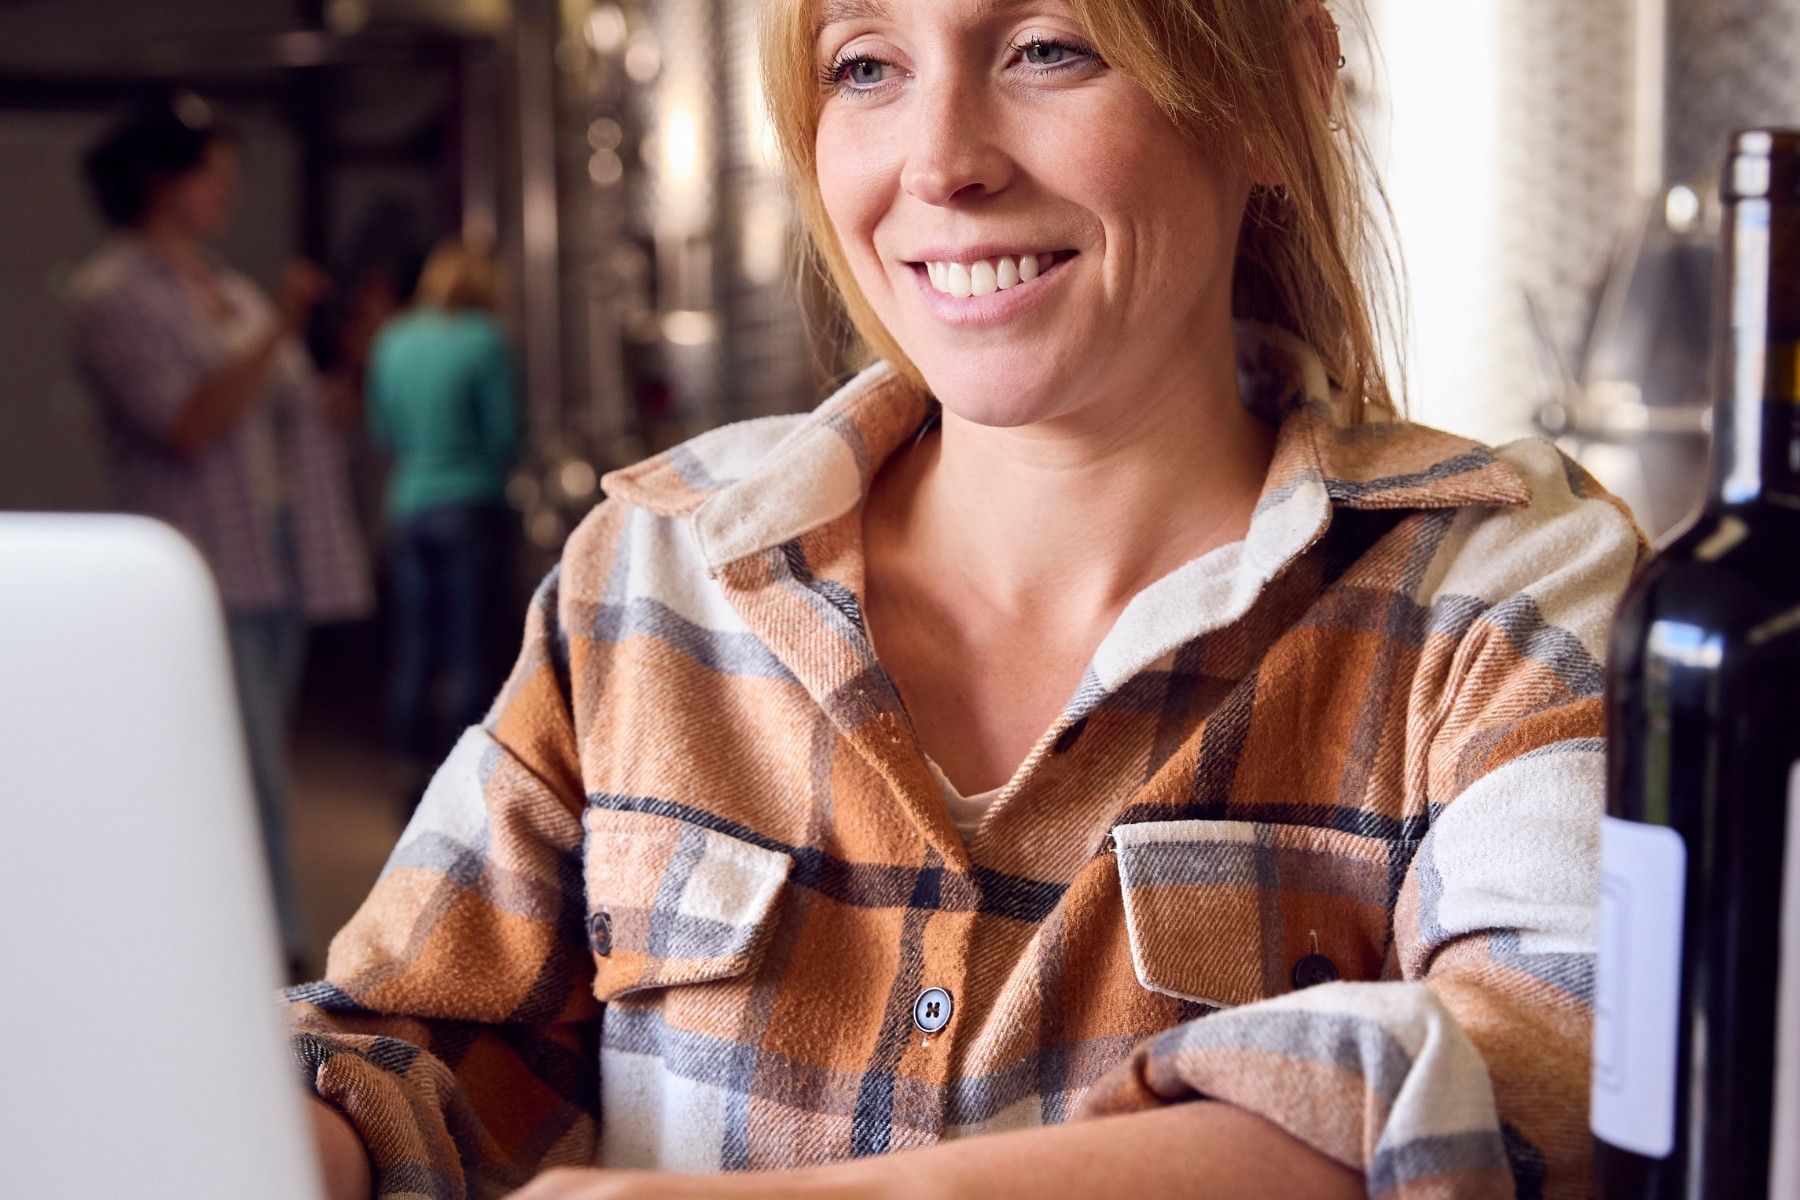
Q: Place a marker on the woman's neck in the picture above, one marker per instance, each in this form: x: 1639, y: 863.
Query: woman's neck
x: 172, y: 243
x: 1064, y: 521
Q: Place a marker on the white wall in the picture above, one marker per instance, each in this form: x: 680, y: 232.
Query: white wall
x: 1508, y: 151
x: 1437, y: 123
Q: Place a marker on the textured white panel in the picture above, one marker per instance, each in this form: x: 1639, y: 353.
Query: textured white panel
x: 1732, y: 63
x: 1440, y: 169
x: 1567, y: 84
x: 1508, y: 153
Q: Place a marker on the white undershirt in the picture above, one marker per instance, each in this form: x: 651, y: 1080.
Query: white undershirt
x: 966, y: 811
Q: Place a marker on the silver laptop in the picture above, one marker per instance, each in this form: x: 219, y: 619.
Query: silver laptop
x: 138, y: 960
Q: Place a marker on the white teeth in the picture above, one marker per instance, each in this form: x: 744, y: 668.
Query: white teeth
x: 983, y: 281
x: 987, y: 276
x: 956, y: 281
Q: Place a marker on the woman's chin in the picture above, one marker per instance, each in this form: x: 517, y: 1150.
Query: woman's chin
x: 983, y: 400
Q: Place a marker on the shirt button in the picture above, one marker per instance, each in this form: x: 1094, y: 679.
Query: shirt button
x: 1314, y: 969
x: 931, y: 1011
x: 599, y: 928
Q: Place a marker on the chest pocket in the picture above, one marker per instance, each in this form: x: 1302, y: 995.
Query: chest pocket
x: 671, y: 903
x: 1229, y: 912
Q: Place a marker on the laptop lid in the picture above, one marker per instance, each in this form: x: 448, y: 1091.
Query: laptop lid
x: 146, y: 1053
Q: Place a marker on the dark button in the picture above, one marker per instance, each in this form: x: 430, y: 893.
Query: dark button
x: 600, y: 933
x: 931, y: 1011
x: 1314, y: 969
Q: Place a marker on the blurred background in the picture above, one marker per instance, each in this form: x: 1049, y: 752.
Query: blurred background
x: 1549, y: 165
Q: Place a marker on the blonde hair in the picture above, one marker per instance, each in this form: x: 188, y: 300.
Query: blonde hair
x: 459, y: 275
x: 1237, y: 77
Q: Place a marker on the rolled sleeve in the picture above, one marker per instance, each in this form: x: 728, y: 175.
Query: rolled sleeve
x: 455, y: 1026
x: 1467, y: 1076
x: 1377, y: 1076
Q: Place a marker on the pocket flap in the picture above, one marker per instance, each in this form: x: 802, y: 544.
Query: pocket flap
x: 670, y: 902
x: 1224, y: 912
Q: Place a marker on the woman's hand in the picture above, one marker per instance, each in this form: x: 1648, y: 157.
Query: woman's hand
x: 343, y: 1162
x: 845, y: 1181
x: 215, y: 407
x: 1193, y: 1151
x: 303, y: 286
x: 571, y: 1183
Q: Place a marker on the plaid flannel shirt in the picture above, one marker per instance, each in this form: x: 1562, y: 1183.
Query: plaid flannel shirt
x: 673, y: 904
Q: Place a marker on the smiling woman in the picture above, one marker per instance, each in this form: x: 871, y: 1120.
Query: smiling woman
x: 1101, y: 750
x: 1251, y: 83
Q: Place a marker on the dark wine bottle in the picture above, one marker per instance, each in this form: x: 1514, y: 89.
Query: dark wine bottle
x: 1696, y: 1092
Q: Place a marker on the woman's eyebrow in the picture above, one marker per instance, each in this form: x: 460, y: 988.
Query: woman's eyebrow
x: 833, y: 11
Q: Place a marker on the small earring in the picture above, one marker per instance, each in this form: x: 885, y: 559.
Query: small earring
x: 1342, y: 62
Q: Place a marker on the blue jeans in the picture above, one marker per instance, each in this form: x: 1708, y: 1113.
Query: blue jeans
x: 448, y: 574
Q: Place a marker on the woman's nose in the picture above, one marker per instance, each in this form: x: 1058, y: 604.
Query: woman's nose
x: 954, y: 152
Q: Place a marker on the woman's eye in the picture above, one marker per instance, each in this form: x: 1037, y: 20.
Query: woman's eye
x: 865, y: 73
x: 861, y: 72
x: 1048, y: 54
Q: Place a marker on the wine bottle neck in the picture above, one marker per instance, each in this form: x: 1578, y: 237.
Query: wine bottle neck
x: 1756, y: 418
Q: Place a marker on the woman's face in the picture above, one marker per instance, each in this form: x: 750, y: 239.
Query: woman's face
x: 202, y: 199
x: 1024, y: 220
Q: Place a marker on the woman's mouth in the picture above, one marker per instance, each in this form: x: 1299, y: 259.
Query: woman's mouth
x: 985, y: 276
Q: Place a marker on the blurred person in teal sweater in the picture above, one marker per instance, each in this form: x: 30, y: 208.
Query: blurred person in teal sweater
x: 441, y: 401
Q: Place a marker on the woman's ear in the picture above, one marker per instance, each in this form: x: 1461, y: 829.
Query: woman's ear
x: 1313, y: 36
x: 1318, y: 48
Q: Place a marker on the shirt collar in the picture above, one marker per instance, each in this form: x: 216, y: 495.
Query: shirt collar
x: 755, y: 485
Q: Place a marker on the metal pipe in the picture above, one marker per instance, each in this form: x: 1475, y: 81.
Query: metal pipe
x: 1650, y: 81
x: 479, y: 143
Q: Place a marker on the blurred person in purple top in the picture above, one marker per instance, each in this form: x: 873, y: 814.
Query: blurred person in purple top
x: 213, y: 420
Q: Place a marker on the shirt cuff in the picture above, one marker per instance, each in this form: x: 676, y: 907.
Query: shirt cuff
x: 1377, y: 1076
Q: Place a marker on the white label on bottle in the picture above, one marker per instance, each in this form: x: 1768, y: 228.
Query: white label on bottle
x: 1784, y: 1147
x: 1637, y: 986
